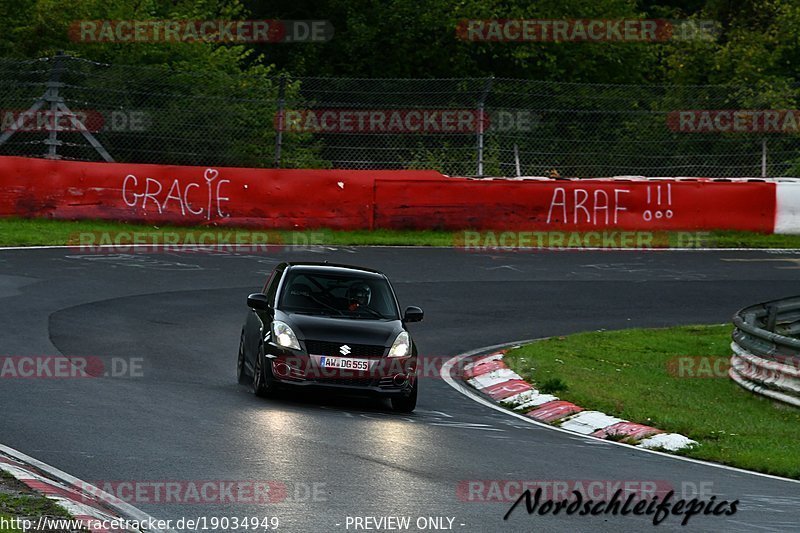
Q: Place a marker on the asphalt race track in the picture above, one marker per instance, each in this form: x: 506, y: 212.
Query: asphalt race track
x: 186, y: 418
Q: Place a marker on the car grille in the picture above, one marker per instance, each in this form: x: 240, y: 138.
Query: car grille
x: 356, y: 350
x: 387, y: 383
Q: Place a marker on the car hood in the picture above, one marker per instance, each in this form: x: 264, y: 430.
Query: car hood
x: 345, y: 330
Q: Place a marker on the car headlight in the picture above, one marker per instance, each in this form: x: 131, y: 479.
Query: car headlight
x: 284, y: 336
x: 401, y: 346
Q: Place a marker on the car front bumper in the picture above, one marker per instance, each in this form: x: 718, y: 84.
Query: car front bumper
x: 387, y: 377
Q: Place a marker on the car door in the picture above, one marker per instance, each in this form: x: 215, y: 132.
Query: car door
x: 258, y: 322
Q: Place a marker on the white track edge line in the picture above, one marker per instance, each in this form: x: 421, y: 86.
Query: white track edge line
x: 466, y: 391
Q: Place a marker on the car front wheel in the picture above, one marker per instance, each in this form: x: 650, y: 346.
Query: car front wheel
x: 241, y: 376
x: 263, y: 385
x: 406, y: 404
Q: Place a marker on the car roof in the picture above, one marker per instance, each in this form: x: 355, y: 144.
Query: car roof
x: 334, y: 268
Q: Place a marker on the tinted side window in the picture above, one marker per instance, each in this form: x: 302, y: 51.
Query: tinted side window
x: 272, y: 285
x: 269, y: 280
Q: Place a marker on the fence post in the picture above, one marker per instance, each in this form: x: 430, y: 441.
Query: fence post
x: 52, y: 97
x: 280, y: 111
x: 764, y: 157
x: 481, y: 102
x: 57, y: 108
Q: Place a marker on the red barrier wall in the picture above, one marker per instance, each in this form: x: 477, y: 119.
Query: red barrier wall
x: 191, y: 195
x: 357, y: 199
x: 576, y: 204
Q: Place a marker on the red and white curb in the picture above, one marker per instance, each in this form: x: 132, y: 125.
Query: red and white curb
x: 490, y: 375
x: 80, y: 499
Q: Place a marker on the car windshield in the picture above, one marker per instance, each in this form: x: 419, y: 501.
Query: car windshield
x: 339, y: 295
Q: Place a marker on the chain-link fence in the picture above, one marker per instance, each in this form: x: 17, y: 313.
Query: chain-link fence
x: 76, y: 109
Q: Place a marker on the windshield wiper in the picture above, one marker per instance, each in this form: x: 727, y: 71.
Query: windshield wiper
x: 373, y: 311
x: 326, y: 304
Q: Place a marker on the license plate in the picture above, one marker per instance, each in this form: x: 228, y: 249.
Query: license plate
x: 344, y: 363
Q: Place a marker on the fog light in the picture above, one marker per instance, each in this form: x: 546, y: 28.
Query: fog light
x: 281, y: 370
x: 399, y: 379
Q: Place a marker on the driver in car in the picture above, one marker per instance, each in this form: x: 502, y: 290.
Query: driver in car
x: 358, y: 295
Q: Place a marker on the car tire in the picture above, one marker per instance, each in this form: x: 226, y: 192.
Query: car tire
x: 241, y: 375
x: 263, y: 385
x: 406, y: 404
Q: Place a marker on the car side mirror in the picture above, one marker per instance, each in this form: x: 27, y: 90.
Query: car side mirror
x: 413, y: 314
x: 258, y: 302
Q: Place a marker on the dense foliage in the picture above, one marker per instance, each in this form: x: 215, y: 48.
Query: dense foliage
x: 757, y: 43
x: 754, y: 53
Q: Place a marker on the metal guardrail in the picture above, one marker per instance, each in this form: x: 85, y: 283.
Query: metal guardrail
x: 766, y: 349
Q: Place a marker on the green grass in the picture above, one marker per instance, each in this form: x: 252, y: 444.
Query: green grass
x: 8, y: 529
x: 628, y: 374
x: 746, y: 239
x: 31, y: 232
x: 18, y: 501
x: 37, y: 232
x: 30, y: 505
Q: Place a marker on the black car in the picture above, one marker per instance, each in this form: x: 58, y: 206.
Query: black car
x: 333, y: 326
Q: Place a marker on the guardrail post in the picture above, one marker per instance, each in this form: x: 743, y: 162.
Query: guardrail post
x: 772, y: 318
